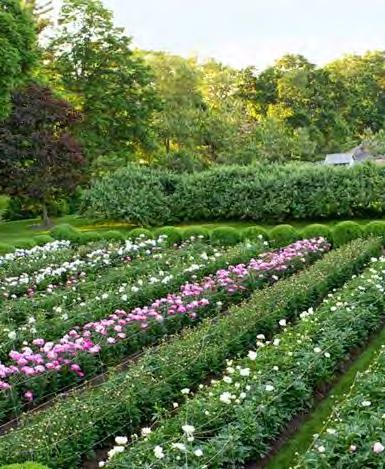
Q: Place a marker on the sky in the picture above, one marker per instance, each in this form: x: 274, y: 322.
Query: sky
x: 253, y: 32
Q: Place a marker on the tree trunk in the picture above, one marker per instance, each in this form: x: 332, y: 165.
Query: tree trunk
x: 46, y: 221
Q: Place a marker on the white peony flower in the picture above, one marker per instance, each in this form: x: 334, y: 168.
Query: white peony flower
x: 158, y: 452
x: 321, y: 449
x: 179, y: 446
x: 121, y: 440
x: 252, y: 355
x: 146, y: 431
x: 198, y: 452
x: 225, y: 397
x: 185, y: 391
x: 188, y: 429
x: 269, y: 388
x: 378, y: 447
x: 115, y: 450
x: 282, y: 322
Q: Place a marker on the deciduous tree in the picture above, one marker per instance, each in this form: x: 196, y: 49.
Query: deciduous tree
x: 17, y: 49
x: 39, y: 158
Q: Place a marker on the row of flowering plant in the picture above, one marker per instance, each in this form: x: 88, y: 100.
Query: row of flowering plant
x: 62, y: 434
x: 52, y: 275
x: 41, y: 367
x: 235, y: 418
x: 129, y: 331
x: 15, y: 263
x: 354, y: 434
x: 116, y: 287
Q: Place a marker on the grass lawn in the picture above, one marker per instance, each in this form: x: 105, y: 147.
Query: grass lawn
x: 21, y: 229
x: 301, y: 441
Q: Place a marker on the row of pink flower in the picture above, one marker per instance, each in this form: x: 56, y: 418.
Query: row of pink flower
x: 45, y: 356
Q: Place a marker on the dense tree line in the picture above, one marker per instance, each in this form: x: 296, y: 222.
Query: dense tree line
x: 164, y: 110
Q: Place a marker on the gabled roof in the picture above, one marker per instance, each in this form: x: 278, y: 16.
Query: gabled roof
x: 339, y: 158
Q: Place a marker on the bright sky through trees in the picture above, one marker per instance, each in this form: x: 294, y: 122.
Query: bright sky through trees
x: 245, y: 32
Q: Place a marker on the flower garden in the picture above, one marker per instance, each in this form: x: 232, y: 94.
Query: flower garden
x: 188, y: 350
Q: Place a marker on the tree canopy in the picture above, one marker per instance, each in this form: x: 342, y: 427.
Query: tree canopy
x: 93, y: 60
x: 18, y: 51
x: 39, y: 158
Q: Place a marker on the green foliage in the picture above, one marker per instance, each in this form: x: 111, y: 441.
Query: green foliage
x: 174, y: 235
x: 225, y: 236
x: 94, y: 61
x: 26, y: 243
x: 315, y: 230
x: 268, y: 193
x: 140, y: 233
x: 346, y: 231
x: 300, y: 366
x: 375, y: 228
x: 43, y: 239
x: 5, y: 248
x: 254, y: 232
x: 85, y: 237
x: 281, y: 235
x: 167, y: 369
x: 39, y: 159
x: 26, y: 465
x: 196, y: 231
x: 113, y: 235
x: 21, y: 209
x: 138, y: 195
x: 66, y: 232
x: 18, y: 51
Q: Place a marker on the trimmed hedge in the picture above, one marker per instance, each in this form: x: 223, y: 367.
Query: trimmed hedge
x: 283, y: 234
x: 113, y: 235
x: 5, y: 248
x: 196, y: 231
x: 25, y: 243
x: 263, y: 192
x: 346, y: 231
x: 65, y: 231
x: 225, y: 236
x: 59, y: 436
x: 315, y: 230
x: 140, y: 232
x: 43, y: 239
x: 174, y: 235
x: 375, y: 228
x: 254, y: 232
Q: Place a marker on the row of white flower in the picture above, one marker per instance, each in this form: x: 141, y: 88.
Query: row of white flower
x: 354, y: 433
x: 264, y: 391
x: 33, y: 253
x: 111, y: 254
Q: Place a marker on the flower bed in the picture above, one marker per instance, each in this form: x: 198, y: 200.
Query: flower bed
x: 354, y: 435
x: 50, y: 276
x: 83, y: 351
x: 15, y: 263
x: 60, y: 435
x: 52, y: 314
x: 235, y: 418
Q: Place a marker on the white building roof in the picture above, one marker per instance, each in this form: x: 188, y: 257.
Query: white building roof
x: 339, y: 158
